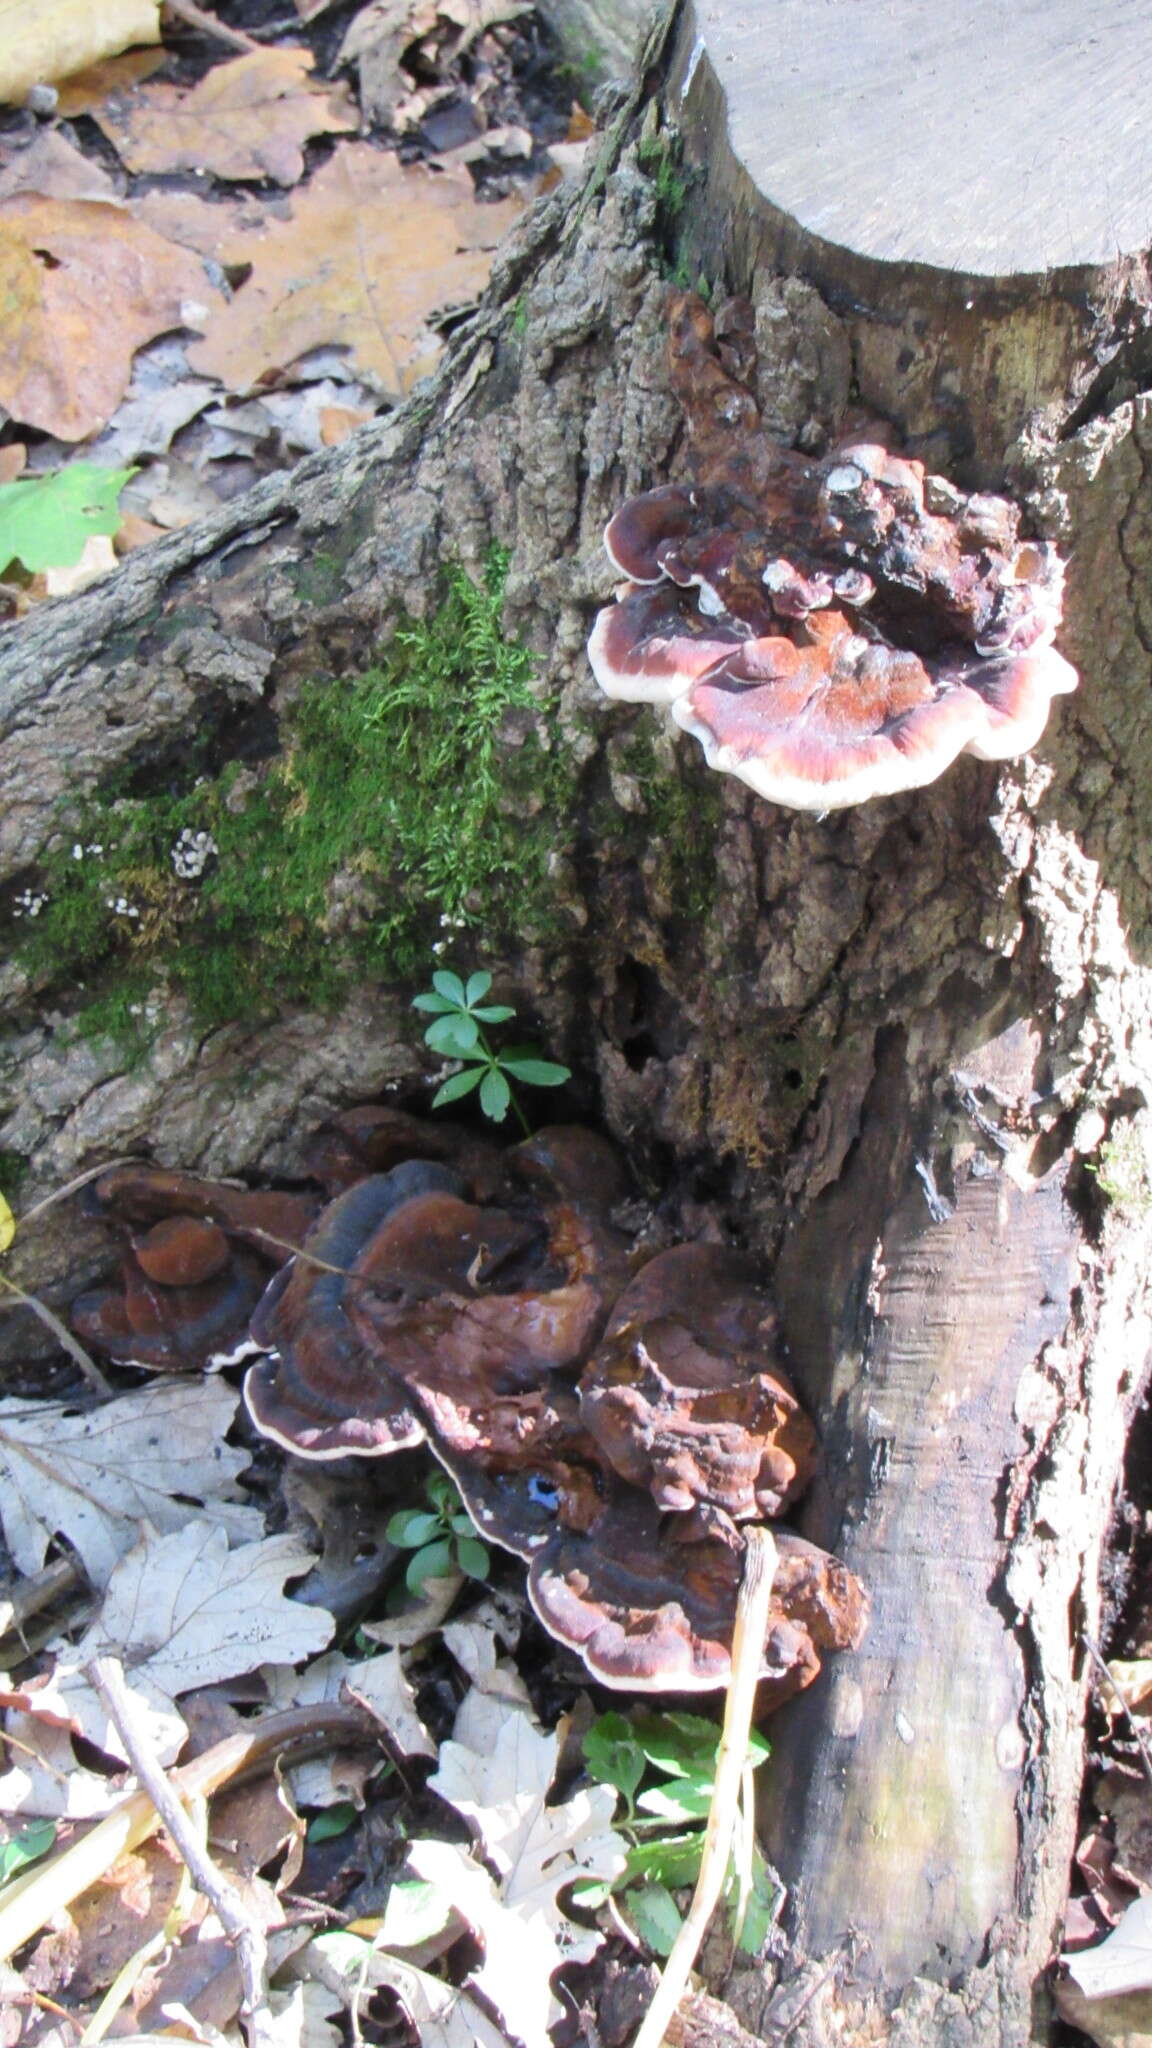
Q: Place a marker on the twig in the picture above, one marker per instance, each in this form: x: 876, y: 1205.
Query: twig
x: 249, y: 1945
x: 198, y: 17
x: 32, y: 1898
x: 31, y: 1596
x: 747, y: 1650
x: 62, y: 1334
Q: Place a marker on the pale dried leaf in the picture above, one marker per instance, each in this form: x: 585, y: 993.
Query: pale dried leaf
x: 244, y: 119
x: 1120, y: 1964
x: 71, y: 324
x: 93, y: 1476
x: 373, y: 249
x: 180, y: 1611
x: 55, y: 37
x: 206, y: 225
x: 446, y: 2018
x: 475, y: 1644
x: 1131, y: 1685
x: 499, y: 1779
x: 97, y: 556
x: 49, y: 165
x: 161, y: 399
x: 381, y: 1685
x: 419, y: 1618
x: 83, y: 90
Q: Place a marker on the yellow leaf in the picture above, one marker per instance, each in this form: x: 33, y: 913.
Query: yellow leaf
x: 7, y: 1225
x: 82, y: 286
x: 372, y: 250
x: 55, y: 37
x: 245, y: 119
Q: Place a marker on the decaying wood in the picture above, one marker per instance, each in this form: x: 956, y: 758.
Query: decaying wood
x: 900, y: 1049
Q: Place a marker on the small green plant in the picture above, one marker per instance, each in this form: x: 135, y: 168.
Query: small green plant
x: 45, y: 520
x: 663, y: 1766
x: 460, y: 1014
x: 442, y: 1536
x: 32, y: 1842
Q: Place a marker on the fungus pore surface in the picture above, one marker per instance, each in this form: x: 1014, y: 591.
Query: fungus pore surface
x: 610, y: 1420
x: 828, y: 630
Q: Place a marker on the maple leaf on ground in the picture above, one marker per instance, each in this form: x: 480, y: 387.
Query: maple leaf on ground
x: 372, y: 250
x: 245, y: 119
x: 93, y: 1475
x: 180, y: 1611
x: 55, y: 37
x: 82, y: 286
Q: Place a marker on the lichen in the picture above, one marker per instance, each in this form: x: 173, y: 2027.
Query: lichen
x: 417, y: 796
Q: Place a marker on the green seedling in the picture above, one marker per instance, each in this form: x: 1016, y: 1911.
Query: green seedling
x: 442, y: 1536
x: 663, y: 1767
x: 460, y: 1014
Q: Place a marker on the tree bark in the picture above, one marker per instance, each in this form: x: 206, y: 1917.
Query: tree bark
x: 894, y: 1047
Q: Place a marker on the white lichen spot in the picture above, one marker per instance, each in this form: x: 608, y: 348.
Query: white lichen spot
x: 192, y: 853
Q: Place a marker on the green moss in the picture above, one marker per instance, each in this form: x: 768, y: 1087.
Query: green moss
x: 395, y: 806
x: 13, y: 1167
x: 1124, y: 1172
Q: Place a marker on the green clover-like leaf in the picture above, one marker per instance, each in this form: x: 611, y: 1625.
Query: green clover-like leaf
x: 540, y: 1073
x: 450, y: 986
x: 478, y: 987
x: 433, y: 1562
x: 472, y: 1557
x: 455, y: 1036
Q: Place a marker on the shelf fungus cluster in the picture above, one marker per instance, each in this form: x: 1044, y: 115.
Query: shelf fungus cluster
x: 614, y: 1424
x: 829, y: 630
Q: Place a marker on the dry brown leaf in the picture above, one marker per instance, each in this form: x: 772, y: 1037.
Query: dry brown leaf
x: 206, y: 225
x: 82, y: 285
x: 56, y: 37
x: 338, y: 421
x: 373, y: 249
x: 49, y: 165
x: 13, y: 460
x: 245, y: 119
x: 83, y: 90
x: 96, y: 558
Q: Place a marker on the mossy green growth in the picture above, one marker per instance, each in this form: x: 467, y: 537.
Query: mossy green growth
x: 391, y: 810
x: 679, y: 825
x: 1124, y: 1171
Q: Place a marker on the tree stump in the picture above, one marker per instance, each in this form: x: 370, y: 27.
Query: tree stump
x: 904, y: 1050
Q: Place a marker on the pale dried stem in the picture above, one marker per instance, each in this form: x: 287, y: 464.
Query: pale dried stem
x: 198, y: 17
x: 760, y: 1557
x: 62, y: 1334
x: 32, y: 1898
x: 249, y: 1945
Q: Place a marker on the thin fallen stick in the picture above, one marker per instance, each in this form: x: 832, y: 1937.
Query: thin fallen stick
x: 28, y: 1901
x: 760, y: 1558
x: 31, y: 1596
x: 209, y: 25
x: 248, y: 1943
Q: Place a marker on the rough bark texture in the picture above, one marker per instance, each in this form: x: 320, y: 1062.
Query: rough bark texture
x: 891, y: 1045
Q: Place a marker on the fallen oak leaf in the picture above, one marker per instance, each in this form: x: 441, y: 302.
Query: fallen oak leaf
x: 445, y: 2017
x: 181, y: 1611
x: 499, y: 1777
x: 93, y: 1475
x: 83, y: 285
x: 372, y: 250
x: 244, y: 119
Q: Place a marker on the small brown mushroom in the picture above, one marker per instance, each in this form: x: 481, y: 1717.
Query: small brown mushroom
x: 172, y: 1326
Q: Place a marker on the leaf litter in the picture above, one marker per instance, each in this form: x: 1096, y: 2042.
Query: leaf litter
x: 207, y: 154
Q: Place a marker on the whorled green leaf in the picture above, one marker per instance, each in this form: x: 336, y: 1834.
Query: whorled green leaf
x: 472, y: 1557
x: 459, y: 1084
x: 408, y: 1528
x: 433, y: 1562
x: 455, y: 1035
x: 450, y: 987
x: 495, y: 1095
x: 478, y: 986
x: 540, y: 1073
x: 613, y: 1754
x: 45, y: 520
x: 655, y: 1915
x: 26, y: 1847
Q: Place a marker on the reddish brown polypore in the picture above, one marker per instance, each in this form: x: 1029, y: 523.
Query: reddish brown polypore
x: 829, y: 631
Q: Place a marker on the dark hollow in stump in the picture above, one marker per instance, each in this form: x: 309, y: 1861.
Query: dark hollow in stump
x: 906, y: 1049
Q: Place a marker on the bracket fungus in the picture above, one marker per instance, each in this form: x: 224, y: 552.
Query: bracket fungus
x: 828, y: 630
x: 613, y: 1427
